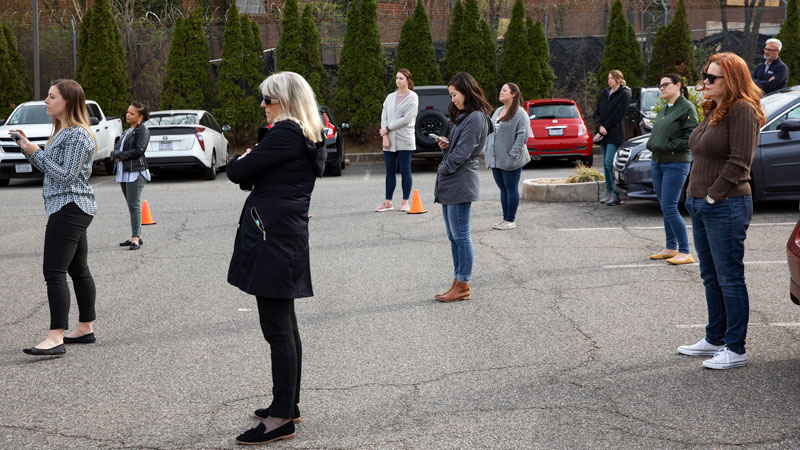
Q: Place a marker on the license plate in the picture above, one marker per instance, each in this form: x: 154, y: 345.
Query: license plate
x: 555, y: 132
x: 165, y: 145
x: 23, y: 168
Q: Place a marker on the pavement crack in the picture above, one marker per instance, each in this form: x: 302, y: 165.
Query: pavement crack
x: 119, y: 444
x: 26, y: 316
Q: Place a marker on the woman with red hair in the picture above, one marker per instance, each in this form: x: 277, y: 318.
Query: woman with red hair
x: 719, y: 201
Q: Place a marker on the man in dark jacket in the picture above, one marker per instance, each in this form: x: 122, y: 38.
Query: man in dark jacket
x: 771, y: 74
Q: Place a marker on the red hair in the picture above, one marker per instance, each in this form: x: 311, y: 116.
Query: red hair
x: 740, y: 87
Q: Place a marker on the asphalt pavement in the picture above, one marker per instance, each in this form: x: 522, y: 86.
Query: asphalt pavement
x: 569, y: 340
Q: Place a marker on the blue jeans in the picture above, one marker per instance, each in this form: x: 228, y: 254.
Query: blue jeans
x: 392, y: 159
x: 719, y: 233
x: 668, y: 181
x: 456, y: 222
x: 508, y: 182
x: 609, y: 150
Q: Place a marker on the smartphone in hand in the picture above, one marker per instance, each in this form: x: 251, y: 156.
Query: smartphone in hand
x: 439, y: 138
x: 17, y: 137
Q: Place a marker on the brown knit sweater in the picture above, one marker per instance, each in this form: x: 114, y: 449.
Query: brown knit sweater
x: 722, y: 154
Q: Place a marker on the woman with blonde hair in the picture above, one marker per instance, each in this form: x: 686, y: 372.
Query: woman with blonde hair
x: 720, y: 203
x: 270, y: 254
x: 609, y: 117
x: 66, y: 162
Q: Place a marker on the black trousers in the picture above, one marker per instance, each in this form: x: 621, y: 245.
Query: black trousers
x: 65, y: 251
x: 279, y: 325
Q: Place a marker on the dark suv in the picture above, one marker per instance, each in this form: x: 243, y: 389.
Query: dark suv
x: 431, y: 118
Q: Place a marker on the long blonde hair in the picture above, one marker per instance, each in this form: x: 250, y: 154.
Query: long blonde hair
x: 75, y: 112
x: 298, y: 102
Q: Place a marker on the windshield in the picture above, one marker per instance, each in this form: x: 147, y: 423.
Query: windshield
x: 31, y: 114
x: 553, y: 112
x: 649, y: 99
x: 777, y: 102
x: 172, y: 119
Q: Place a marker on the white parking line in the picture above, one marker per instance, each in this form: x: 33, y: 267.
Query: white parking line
x: 366, y: 175
x: 636, y: 266
x: 767, y: 224
x: 776, y: 324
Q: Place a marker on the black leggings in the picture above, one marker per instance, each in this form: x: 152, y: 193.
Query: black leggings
x: 65, y: 251
x: 279, y: 325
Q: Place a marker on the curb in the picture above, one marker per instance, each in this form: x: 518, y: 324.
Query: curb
x: 363, y: 157
x: 548, y: 190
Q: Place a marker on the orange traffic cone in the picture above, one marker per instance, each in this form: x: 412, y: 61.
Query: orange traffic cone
x: 147, y: 218
x: 416, y: 204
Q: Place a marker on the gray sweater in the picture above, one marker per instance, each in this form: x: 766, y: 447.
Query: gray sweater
x: 399, y: 120
x: 457, y: 178
x: 506, y: 146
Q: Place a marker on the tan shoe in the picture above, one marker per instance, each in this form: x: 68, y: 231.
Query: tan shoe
x: 459, y: 292
x: 678, y: 261
x: 437, y: 296
x: 664, y: 255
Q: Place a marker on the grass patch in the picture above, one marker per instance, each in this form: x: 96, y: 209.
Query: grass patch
x: 585, y: 173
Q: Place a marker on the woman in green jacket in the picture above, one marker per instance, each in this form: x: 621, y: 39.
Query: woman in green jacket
x: 669, y: 144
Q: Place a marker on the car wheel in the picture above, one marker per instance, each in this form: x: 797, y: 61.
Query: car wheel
x: 109, y: 166
x: 211, y: 172
x: 335, y: 168
x: 430, y: 121
x: 588, y: 161
x: 341, y: 151
x: 5, y: 181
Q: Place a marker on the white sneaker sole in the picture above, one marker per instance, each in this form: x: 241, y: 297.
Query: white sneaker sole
x: 383, y: 209
x: 689, y: 352
x: 722, y: 366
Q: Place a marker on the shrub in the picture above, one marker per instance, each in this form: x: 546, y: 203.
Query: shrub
x: 415, y: 49
x: 188, y: 82
x: 315, y: 72
x: 621, y: 51
x: 673, y: 50
x: 517, y: 63
x: 540, y: 51
x: 585, y: 173
x: 289, y: 54
x: 452, y: 49
x: 790, y: 38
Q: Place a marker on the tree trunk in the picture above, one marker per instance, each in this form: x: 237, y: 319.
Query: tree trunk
x: 723, y: 14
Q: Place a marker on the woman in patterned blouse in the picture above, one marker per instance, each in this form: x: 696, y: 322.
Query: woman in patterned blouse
x: 66, y: 162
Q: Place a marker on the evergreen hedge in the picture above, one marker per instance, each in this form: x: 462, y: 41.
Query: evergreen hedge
x: 188, y: 81
x: 415, y: 50
x: 238, y: 97
x: 673, y: 50
x: 622, y: 51
x: 361, y: 87
x: 540, y: 51
x: 452, y: 49
x: 315, y: 72
x: 17, y: 87
x: 104, y: 70
x: 253, y: 51
x: 790, y: 38
x: 517, y: 64
x: 289, y: 54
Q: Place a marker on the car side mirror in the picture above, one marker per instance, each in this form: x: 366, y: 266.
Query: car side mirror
x: 2, y: 122
x: 226, y: 128
x: 345, y: 126
x: 93, y: 121
x: 787, y: 126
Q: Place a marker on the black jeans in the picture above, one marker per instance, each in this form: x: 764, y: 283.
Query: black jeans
x: 279, y: 325
x: 65, y: 251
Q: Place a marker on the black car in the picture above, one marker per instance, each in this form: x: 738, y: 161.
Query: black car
x: 775, y: 173
x: 431, y: 119
x: 640, y: 113
x: 334, y: 141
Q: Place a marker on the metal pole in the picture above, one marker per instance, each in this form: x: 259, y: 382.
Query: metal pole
x: 36, y: 82
x: 666, y: 12
x: 74, y: 50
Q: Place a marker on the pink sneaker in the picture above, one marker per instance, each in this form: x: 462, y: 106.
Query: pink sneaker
x: 405, y: 206
x: 385, y: 206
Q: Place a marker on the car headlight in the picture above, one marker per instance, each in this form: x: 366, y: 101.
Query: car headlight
x: 647, y: 122
x: 644, y: 155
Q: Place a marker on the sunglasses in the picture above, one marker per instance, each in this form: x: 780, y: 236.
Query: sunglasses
x: 711, y: 78
x: 269, y: 101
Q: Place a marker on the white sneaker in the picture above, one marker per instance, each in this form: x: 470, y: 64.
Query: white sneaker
x: 702, y: 347
x: 726, y: 359
x: 505, y: 226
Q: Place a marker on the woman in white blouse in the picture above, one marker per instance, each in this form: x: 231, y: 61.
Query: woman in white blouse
x: 397, y: 128
x: 131, y: 168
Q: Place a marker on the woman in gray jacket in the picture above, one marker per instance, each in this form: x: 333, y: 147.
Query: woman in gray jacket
x: 397, y: 128
x: 457, y: 180
x: 507, y: 152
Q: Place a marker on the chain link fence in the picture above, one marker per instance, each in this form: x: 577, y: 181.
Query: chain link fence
x: 576, y: 33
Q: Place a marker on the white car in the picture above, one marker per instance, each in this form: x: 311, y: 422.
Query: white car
x: 32, y: 119
x: 186, y: 138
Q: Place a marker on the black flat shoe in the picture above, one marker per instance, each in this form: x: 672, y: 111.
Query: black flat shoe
x: 264, y: 413
x: 135, y: 246
x: 128, y: 243
x: 257, y: 435
x: 85, y: 339
x: 53, y: 351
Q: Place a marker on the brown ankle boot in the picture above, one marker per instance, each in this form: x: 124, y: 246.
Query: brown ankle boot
x: 438, y: 296
x: 459, y: 292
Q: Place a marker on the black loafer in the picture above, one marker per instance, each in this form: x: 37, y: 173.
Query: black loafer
x: 264, y: 413
x: 53, y: 351
x: 257, y: 435
x: 85, y: 339
x: 135, y: 246
x: 128, y: 243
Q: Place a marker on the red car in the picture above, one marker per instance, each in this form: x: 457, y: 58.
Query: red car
x: 793, y: 255
x: 558, y: 131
